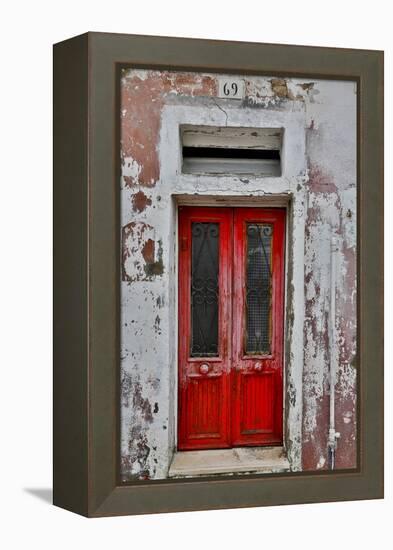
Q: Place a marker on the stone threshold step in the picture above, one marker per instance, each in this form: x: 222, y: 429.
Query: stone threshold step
x: 225, y: 461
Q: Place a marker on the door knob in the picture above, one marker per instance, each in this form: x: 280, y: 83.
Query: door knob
x: 204, y: 368
x: 258, y: 366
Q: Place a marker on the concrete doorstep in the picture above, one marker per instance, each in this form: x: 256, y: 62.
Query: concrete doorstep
x: 225, y: 461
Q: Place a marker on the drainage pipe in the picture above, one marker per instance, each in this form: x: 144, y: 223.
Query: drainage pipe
x: 333, y: 435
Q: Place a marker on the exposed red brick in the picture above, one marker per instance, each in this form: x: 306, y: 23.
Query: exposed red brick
x: 148, y: 251
x: 315, y: 446
x: 346, y: 452
x: 140, y: 201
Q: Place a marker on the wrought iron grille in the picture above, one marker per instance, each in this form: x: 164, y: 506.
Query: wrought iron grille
x: 204, y: 289
x: 258, y: 289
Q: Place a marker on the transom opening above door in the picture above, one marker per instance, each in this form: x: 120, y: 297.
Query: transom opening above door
x: 231, y: 150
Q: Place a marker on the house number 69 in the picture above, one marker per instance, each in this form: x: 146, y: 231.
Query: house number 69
x: 231, y: 88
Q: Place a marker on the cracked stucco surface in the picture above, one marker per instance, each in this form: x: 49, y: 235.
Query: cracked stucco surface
x: 319, y: 177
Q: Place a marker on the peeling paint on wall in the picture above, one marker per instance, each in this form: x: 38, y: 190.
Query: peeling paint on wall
x: 331, y: 151
x: 319, y: 176
x: 140, y: 125
x: 140, y: 201
x: 141, y: 255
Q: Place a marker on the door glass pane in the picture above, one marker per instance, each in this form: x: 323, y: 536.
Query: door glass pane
x: 258, y: 288
x: 204, y: 289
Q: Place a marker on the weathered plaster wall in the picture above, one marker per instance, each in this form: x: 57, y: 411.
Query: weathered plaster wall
x: 331, y: 210
x: 319, y: 176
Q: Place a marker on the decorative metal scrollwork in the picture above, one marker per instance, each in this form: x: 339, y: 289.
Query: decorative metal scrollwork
x: 258, y: 230
x: 258, y: 288
x: 204, y: 289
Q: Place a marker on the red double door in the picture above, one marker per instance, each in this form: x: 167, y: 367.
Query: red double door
x: 231, y: 308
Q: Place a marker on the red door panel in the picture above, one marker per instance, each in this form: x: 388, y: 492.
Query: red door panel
x: 258, y: 310
x: 256, y: 404
x: 204, y: 328
x: 231, y: 305
x: 206, y: 420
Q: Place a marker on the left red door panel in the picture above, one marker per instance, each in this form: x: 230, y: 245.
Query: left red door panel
x: 204, y: 328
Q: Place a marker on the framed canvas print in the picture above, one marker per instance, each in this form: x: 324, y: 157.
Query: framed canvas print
x: 218, y: 248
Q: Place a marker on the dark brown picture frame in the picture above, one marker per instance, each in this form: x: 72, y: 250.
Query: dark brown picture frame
x: 87, y: 280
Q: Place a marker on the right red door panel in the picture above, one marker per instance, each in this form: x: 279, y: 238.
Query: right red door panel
x: 231, y: 306
x: 258, y: 311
